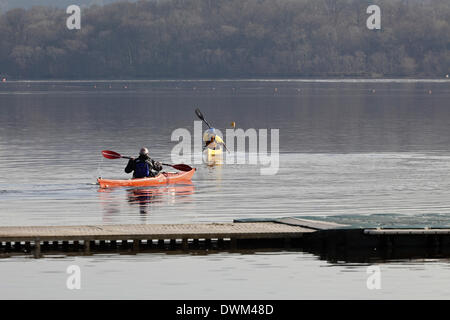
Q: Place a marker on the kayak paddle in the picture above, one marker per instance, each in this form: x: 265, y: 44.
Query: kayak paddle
x: 201, y: 117
x: 181, y: 166
x: 108, y: 154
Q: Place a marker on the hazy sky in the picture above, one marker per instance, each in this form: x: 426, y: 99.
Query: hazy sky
x: 9, y: 4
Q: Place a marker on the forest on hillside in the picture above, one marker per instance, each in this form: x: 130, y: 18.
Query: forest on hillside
x: 228, y: 38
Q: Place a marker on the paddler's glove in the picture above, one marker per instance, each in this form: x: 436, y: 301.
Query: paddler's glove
x: 158, y: 165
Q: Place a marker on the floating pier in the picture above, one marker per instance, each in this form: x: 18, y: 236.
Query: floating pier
x: 156, y: 236
x: 330, y: 240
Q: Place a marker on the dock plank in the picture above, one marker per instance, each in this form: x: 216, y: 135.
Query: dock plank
x: 259, y: 230
x: 310, y: 224
x: 424, y: 231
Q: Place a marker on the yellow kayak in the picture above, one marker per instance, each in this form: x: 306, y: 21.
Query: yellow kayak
x: 214, y: 153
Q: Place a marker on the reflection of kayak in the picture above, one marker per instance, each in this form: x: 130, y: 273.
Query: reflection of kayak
x: 156, y: 194
x: 162, y: 178
x: 147, y: 196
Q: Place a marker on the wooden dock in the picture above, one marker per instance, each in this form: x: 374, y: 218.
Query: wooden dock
x: 157, y: 235
x: 256, y: 230
x: 329, y: 240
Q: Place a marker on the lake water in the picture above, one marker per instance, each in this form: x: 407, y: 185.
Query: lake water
x: 346, y: 148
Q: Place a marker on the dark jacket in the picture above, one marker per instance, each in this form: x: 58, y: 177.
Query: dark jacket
x: 155, y: 167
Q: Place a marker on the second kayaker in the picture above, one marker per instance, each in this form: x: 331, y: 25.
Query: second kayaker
x: 143, y: 166
x: 211, y: 139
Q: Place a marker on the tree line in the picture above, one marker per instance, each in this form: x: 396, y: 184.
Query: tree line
x: 228, y: 38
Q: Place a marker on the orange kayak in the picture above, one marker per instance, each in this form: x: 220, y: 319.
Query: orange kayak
x: 162, y: 178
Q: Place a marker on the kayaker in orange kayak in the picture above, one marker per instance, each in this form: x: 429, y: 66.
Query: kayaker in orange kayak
x: 143, y: 166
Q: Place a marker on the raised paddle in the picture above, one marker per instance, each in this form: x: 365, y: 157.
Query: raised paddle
x: 108, y: 154
x: 201, y: 117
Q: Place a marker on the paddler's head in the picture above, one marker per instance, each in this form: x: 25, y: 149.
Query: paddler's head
x: 143, y: 152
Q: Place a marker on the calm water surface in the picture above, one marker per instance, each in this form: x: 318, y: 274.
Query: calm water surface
x: 283, y: 275
x: 351, y: 147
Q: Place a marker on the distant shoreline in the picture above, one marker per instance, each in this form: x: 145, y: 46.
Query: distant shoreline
x: 203, y: 39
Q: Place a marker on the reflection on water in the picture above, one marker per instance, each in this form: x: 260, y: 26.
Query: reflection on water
x: 214, y: 161
x: 260, y: 275
x: 143, y: 198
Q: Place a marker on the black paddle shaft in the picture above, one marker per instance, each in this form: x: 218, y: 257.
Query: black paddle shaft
x: 181, y: 167
x: 201, y: 117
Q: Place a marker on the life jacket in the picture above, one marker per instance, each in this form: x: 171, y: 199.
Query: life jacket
x: 141, y: 169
